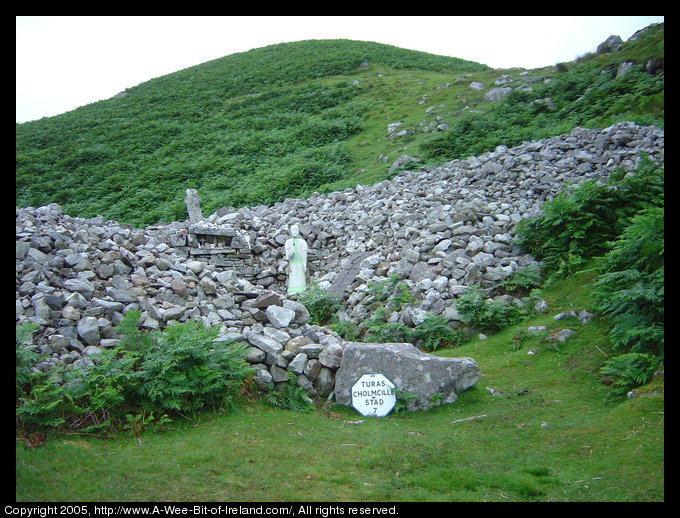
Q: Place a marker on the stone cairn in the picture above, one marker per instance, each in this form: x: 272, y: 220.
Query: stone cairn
x: 439, y: 229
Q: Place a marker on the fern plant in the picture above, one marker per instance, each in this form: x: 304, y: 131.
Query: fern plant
x: 628, y: 371
x: 186, y: 371
x: 149, y: 376
x: 394, y: 291
x: 25, y: 356
x: 322, y: 305
x: 580, y: 222
x: 630, y: 289
x: 289, y: 396
x: 492, y: 315
x: 376, y: 328
x: 434, y: 331
x: 522, y: 281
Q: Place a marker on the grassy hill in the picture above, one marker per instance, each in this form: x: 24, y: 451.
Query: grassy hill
x: 290, y: 119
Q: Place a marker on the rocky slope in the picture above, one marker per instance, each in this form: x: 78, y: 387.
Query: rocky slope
x: 439, y: 228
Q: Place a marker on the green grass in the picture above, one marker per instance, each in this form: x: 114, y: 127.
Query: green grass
x: 550, y: 434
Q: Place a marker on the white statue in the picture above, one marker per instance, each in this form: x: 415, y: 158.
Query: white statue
x: 296, y: 254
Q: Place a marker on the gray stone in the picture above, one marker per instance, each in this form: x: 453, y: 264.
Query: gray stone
x: 58, y: 342
x: 350, y: 270
x: 496, y: 94
x: 267, y: 299
x: 268, y: 345
x: 279, y: 316
x: 298, y: 364
x: 566, y: 314
x: 404, y: 160
x: 193, y: 203
x: 125, y: 296
x: 331, y: 356
x: 294, y: 344
x: 278, y: 374
x: 562, y: 335
x: 88, y: 330
x: 434, y: 379
x: 81, y: 286
x: 302, y: 315
x: 42, y: 310
x: 22, y: 248
x: 276, y: 334
x: 255, y: 355
x: 325, y: 382
x: 532, y: 330
x: 611, y: 44
x: 172, y: 313
x: 37, y: 255
x: 414, y: 316
x: 421, y: 271
x: 312, y: 369
x: 55, y: 302
x: 263, y: 379
x: 311, y: 350
x: 585, y: 316
x: 70, y: 313
x: 306, y: 384
x: 92, y: 350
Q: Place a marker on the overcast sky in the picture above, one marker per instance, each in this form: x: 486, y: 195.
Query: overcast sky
x: 64, y: 62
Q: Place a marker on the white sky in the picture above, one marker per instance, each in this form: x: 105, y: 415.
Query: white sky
x: 64, y: 62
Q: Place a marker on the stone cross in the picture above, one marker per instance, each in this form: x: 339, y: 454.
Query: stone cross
x: 193, y: 203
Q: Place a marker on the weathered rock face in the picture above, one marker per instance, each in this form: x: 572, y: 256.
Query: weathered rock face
x: 434, y: 379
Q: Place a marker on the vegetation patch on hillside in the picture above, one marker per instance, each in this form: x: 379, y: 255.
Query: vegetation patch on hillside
x: 288, y: 120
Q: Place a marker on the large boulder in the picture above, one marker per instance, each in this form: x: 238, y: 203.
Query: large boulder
x: 434, y: 380
x: 611, y: 44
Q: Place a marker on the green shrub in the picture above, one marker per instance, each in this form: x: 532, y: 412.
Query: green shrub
x: 148, y: 376
x: 376, y: 328
x: 185, y: 370
x: 485, y: 314
x: 394, y: 291
x: 26, y: 357
x: 630, y: 288
x: 434, y: 332
x: 347, y: 329
x: 47, y: 403
x: 628, y: 371
x: 289, y: 396
x: 41, y: 400
x: 580, y: 222
x: 322, y: 305
x: 522, y: 281
x: 101, y: 391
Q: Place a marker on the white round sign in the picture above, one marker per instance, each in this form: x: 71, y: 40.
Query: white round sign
x: 373, y: 395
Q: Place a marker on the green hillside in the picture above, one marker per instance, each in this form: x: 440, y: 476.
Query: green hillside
x: 290, y: 119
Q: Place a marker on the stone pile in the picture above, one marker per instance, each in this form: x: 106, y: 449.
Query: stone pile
x: 439, y: 229
x: 77, y: 278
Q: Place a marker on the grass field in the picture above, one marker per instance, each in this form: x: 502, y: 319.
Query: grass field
x: 548, y: 434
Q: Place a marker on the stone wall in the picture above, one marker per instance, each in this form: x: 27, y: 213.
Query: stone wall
x: 439, y: 228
